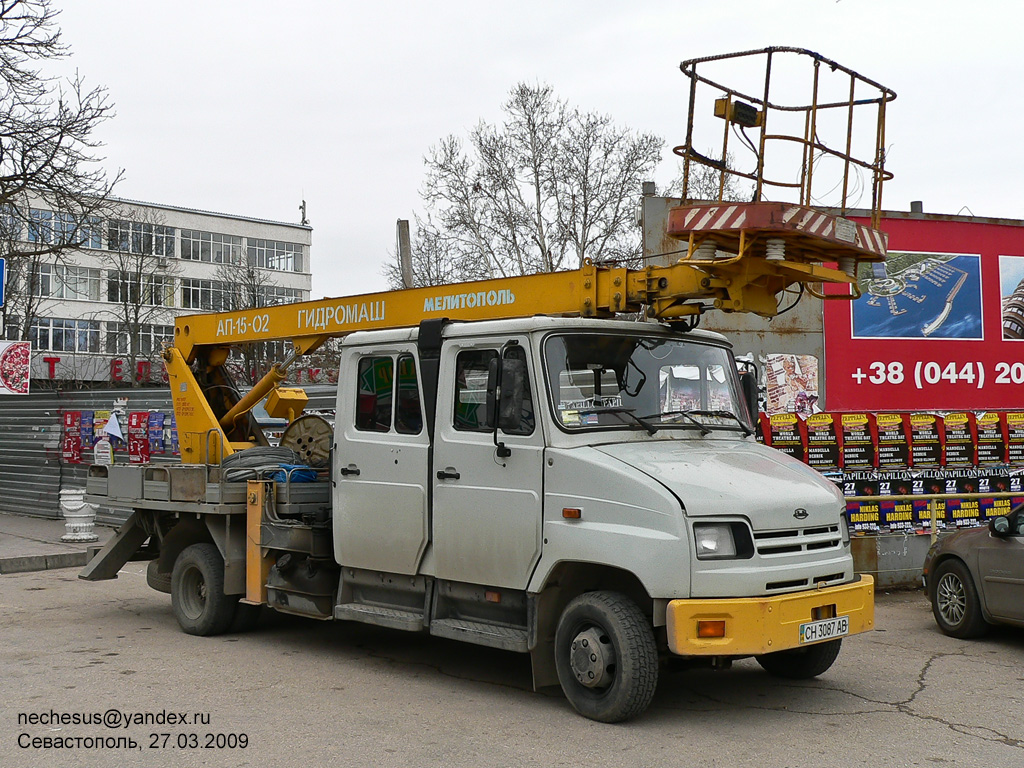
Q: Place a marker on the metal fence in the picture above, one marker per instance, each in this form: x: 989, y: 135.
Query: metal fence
x: 31, y: 470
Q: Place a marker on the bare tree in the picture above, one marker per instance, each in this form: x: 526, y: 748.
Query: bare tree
x: 545, y: 190
x: 52, y: 190
x: 140, y: 284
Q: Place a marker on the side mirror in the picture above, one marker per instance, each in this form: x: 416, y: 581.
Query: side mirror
x: 999, y: 526
x: 506, y: 387
x: 748, y: 384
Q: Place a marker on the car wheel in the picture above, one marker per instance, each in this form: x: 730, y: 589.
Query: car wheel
x: 606, y: 657
x: 197, y: 591
x: 801, y: 663
x: 955, y: 601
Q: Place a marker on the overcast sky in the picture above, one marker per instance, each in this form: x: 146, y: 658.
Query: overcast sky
x: 249, y: 107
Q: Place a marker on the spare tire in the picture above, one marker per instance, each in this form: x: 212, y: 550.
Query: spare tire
x: 161, y: 582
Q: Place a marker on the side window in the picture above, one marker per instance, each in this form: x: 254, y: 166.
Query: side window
x: 408, y: 416
x: 471, y: 389
x: 527, y: 420
x: 373, y: 402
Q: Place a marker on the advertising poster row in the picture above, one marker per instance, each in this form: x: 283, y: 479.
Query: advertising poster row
x: 899, y: 454
x: 143, y: 435
x: 864, y: 441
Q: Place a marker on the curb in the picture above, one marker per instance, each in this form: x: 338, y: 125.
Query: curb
x: 30, y: 563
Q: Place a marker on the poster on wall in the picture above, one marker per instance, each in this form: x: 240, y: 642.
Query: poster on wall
x: 138, y: 437
x: 15, y: 359
x: 925, y: 440
x: 71, y: 443
x: 786, y: 435
x: 791, y: 384
x: 1015, y: 438
x: 822, y: 442
x: 991, y: 439
x: 958, y: 446
x: 858, y: 441
x: 895, y: 515
x: 156, y: 433
x: 893, y: 445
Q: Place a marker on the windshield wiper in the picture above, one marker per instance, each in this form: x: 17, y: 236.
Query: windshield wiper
x: 723, y: 414
x: 621, y: 410
x: 686, y: 415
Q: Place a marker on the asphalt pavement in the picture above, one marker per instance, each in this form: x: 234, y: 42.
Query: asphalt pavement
x: 34, y: 544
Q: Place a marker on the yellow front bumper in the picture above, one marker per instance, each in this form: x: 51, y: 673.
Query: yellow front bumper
x: 756, y: 625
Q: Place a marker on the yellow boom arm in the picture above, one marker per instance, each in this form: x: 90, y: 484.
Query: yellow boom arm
x: 744, y: 283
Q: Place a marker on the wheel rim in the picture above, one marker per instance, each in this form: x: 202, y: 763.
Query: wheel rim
x: 193, y: 593
x: 951, y: 599
x: 592, y: 658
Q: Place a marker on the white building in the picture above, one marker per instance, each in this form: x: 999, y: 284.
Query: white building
x: 136, y: 271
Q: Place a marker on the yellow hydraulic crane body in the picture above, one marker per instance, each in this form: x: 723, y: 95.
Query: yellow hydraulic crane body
x: 752, y: 280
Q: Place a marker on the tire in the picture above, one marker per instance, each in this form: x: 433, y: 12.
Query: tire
x: 606, y: 657
x: 161, y: 582
x: 801, y: 663
x: 955, y: 603
x: 197, y: 591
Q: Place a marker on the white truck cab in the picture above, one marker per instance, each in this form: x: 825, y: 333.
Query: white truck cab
x: 561, y: 460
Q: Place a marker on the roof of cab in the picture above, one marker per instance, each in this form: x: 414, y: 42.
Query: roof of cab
x: 532, y: 324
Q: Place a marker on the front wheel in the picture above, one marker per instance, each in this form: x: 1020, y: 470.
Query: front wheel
x: 606, y: 657
x: 197, y: 591
x: 801, y: 663
x: 955, y: 603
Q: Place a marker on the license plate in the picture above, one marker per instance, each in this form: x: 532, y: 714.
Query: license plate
x: 826, y: 629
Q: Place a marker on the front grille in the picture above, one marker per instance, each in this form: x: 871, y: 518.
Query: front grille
x: 793, y: 540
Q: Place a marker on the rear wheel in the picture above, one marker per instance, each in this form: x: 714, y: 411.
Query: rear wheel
x: 955, y: 603
x: 197, y: 591
x: 801, y: 663
x: 606, y: 657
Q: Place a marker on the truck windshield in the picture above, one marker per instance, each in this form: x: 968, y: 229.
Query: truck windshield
x: 625, y: 381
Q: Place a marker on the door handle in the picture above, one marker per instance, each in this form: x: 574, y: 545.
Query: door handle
x: 353, y: 470
x: 444, y: 474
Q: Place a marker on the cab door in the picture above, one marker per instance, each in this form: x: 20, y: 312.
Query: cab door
x: 380, y: 461
x: 486, y: 505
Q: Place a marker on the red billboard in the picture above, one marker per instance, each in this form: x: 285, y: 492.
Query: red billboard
x: 939, y: 326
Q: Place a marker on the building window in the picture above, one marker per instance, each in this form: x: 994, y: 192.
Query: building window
x: 65, y: 335
x: 158, y: 291
x: 131, y: 288
x: 139, y: 238
x: 47, y: 227
x: 56, y: 281
x: 204, y: 294
x: 275, y: 294
x: 271, y: 254
x: 211, y: 247
x: 151, y: 338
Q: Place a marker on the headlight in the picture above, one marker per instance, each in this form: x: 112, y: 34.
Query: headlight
x: 844, y: 525
x: 714, y: 541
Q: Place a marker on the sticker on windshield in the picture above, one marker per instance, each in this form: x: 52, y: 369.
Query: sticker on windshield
x: 591, y: 402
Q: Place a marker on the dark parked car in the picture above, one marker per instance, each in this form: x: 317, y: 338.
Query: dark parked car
x: 975, y: 578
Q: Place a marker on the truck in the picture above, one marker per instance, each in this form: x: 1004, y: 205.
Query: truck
x: 560, y: 464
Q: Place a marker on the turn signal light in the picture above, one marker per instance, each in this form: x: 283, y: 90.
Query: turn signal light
x: 571, y: 513
x: 710, y: 629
